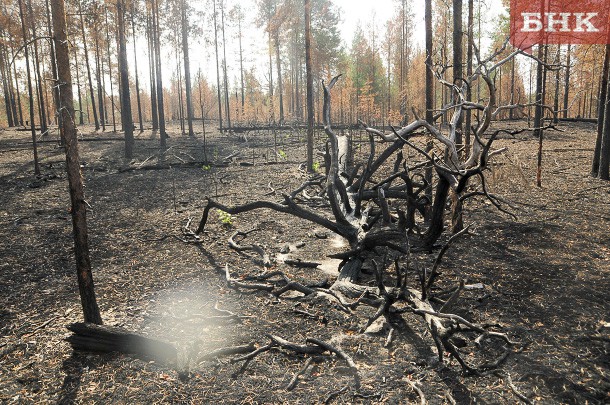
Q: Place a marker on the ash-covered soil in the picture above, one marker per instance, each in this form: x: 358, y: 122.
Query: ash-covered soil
x: 542, y: 278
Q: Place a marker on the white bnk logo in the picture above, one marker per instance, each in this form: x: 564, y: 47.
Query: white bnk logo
x: 532, y: 22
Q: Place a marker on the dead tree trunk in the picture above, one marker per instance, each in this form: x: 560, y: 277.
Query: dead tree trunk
x: 135, y: 58
x: 359, y: 201
x: 309, y: 73
x: 601, y: 111
x: 126, y: 118
x: 30, y: 91
x: 84, y: 37
x: 79, y: 209
x: 187, y: 69
x: 159, y: 78
x: 217, y: 68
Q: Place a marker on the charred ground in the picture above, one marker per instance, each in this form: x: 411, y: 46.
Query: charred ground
x: 542, y: 278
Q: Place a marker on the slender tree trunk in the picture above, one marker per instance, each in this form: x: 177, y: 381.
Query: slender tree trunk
x: 101, y: 88
x: 160, y: 104
x: 217, y: 68
x: 601, y: 112
x: 40, y: 89
x: 469, y: 55
x: 91, y: 311
x: 21, y: 121
x: 566, y: 88
x: 108, y: 54
x: 135, y: 67
x: 11, y: 89
x: 604, y: 161
x: 199, y: 79
x: 224, y: 64
x: 241, y: 64
x: 278, y: 62
x: 308, y: 68
x: 7, y: 99
x: 82, y: 27
x: 187, y: 70
x: 30, y: 91
x: 457, y: 59
x: 152, y: 70
x: 53, y: 67
x: 126, y: 118
x: 79, y: 92
x: 429, y: 89
x: 538, y: 111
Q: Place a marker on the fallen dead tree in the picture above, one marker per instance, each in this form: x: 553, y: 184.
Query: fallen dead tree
x: 384, y: 209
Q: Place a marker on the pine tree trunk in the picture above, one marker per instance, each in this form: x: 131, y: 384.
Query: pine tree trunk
x: 457, y: 60
x: 278, y: 62
x: 566, y: 89
x: 152, y: 70
x: 126, y: 117
x: 7, y: 99
x: 308, y: 69
x: 224, y: 64
x: 101, y: 85
x: 159, y: 77
x: 41, y: 103
x: 538, y: 111
x: 108, y: 55
x: 91, y: 94
x: 469, y: 55
x: 30, y: 91
x: 135, y: 57
x: 80, y: 97
x: 53, y: 66
x: 601, y: 111
x: 187, y: 70
x: 217, y: 68
x: 79, y: 210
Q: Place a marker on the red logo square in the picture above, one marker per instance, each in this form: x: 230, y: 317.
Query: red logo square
x: 559, y: 22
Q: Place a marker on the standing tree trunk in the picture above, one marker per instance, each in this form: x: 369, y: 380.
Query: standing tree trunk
x: 30, y: 92
x: 309, y: 73
x: 566, y: 88
x: 152, y: 70
x: 157, y: 45
x: 217, y: 68
x: 110, y: 71
x: 80, y: 97
x: 11, y: 89
x: 538, y: 111
x: 469, y: 54
x: 187, y: 70
x: 91, y: 311
x: 82, y: 27
x: 54, y: 66
x: 5, y: 89
x: 20, y: 108
x: 126, y: 118
x: 41, y: 104
x: 135, y: 67
x: 101, y: 86
x: 278, y: 62
x: 604, y: 136
x: 429, y: 88
x: 241, y: 61
x: 601, y: 112
x: 224, y: 64
x: 457, y: 60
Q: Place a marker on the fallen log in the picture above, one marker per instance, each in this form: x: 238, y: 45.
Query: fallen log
x: 102, y: 338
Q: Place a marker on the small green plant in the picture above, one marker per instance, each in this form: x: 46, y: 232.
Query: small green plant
x: 225, y: 218
x: 282, y: 154
x: 206, y: 167
x: 316, y: 167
